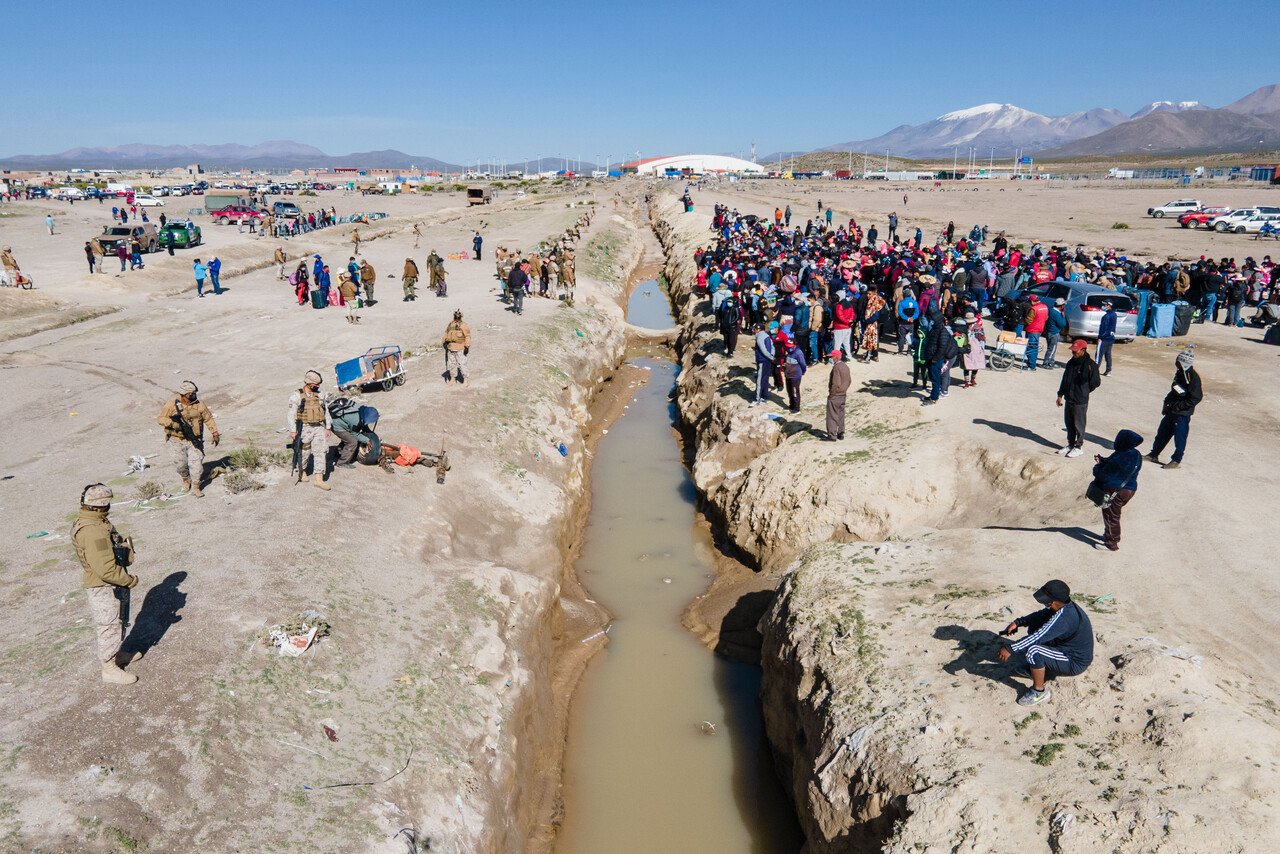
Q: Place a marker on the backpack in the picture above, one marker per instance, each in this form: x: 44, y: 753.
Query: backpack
x: 815, y: 316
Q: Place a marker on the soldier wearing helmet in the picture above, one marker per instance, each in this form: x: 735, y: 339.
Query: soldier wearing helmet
x: 104, y: 556
x: 457, y: 346
x: 183, y: 420
x: 309, y: 418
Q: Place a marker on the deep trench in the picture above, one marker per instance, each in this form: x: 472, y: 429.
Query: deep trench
x: 666, y: 745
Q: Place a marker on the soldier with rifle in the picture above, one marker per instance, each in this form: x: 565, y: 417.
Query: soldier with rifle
x: 183, y: 420
x: 104, y: 556
x: 310, y: 428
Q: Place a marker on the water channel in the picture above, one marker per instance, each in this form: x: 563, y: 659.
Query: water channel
x: 666, y: 749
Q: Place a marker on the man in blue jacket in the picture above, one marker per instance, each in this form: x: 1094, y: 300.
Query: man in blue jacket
x: 1059, y: 639
x: 1054, y: 326
x: 1106, y: 336
x: 765, y: 357
x: 908, y: 313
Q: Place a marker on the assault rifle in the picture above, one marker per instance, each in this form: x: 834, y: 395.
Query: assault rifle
x: 297, y: 452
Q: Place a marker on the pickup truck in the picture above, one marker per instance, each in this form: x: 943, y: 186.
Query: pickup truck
x: 233, y: 213
x: 1197, y: 218
x: 145, y: 233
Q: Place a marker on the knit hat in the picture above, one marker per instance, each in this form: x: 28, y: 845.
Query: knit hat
x: 187, y: 387
x: 313, y: 378
x: 96, y: 495
x: 1185, y: 358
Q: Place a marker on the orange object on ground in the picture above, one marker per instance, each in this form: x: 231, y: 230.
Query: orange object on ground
x: 408, y: 456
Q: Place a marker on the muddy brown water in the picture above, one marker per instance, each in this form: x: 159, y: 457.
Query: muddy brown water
x: 666, y: 748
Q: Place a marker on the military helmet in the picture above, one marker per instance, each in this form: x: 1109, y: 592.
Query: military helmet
x: 313, y: 378
x: 96, y: 495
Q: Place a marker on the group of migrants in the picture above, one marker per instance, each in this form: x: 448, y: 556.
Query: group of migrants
x: 817, y: 294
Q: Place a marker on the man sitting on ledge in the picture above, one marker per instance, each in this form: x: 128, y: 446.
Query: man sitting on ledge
x: 1060, y: 640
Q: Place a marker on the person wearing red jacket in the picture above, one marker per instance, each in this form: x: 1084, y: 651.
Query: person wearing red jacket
x: 843, y: 315
x: 1039, y: 314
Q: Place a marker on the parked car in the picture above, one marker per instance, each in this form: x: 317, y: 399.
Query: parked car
x: 1253, y: 224
x: 1196, y: 218
x: 286, y: 209
x: 146, y: 201
x: 1174, y: 208
x: 185, y: 233
x: 1084, y: 307
x: 233, y: 213
x: 179, y: 191
x: 159, y: 191
x: 1227, y: 222
x: 145, y: 232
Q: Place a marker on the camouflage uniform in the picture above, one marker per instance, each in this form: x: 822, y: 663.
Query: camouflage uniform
x: 106, y: 582
x: 183, y: 420
x: 308, y: 406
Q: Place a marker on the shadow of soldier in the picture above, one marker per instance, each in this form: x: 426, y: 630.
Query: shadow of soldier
x: 159, y: 611
x: 977, y: 654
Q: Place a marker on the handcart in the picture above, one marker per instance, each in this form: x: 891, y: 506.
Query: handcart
x: 381, y: 366
x: 1003, y: 355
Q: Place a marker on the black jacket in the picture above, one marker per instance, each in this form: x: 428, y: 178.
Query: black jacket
x: 939, y: 343
x: 1183, y: 402
x: 1079, y: 377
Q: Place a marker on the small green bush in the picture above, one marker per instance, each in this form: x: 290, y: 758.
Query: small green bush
x: 241, y: 481
x: 147, y: 491
x: 1119, y: 225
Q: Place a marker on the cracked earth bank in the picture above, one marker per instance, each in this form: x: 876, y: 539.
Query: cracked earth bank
x: 898, y: 555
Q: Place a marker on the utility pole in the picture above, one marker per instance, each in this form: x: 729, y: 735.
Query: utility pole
x: 955, y: 161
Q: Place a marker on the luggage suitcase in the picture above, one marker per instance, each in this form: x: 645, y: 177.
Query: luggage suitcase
x: 1183, y: 312
x: 1161, y: 321
x: 317, y: 299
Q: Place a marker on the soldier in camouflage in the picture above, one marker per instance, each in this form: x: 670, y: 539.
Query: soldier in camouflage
x: 104, y: 556
x: 183, y: 420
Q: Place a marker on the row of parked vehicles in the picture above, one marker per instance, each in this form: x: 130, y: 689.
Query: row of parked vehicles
x: 1192, y: 213
x: 185, y: 233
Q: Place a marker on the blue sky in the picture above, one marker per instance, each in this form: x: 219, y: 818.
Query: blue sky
x: 465, y: 80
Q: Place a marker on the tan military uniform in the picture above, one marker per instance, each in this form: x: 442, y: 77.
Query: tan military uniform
x: 367, y: 278
x: 409, y: 278
x: 95, y: 539
x: 188, y: 455
x: 457, y: 341
x: 309, y: 408
x: 280, y: 260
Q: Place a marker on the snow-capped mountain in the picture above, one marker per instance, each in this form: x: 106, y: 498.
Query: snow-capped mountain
x: 1169, y: 107
x: 1003, y: 127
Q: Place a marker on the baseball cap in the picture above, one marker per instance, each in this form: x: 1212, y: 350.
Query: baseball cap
x: 1053, y: 591
x: 1079, y: 344
x: 1060, y: 301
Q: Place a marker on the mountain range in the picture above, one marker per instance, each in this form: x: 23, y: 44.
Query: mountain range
x: 274, y: 154
x: 1161, y: 127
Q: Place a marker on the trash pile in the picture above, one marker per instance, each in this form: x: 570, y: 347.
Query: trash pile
x: 295, y: 635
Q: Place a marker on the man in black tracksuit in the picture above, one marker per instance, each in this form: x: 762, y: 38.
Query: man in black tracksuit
x: 1079, y: 378
x: 1060, y: 640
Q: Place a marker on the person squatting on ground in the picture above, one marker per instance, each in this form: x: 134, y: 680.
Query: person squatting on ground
x: 309, y: 419
x: 1116, y: 476
x: 837, y: 389
x: 1079, y: 378
x: 183, y: 420
x: 457, y: 346
x: 1179, y: 405
x: 104, y: 556
x: 1060, y: 641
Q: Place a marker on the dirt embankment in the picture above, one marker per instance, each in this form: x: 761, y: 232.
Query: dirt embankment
x: 897, y: 555
x: 456, y: 626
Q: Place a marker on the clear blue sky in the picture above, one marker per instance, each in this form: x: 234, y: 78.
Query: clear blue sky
x: 465, y: 80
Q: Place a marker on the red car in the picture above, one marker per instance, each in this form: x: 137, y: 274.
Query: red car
x: 233, y: 213
x: 1201, y: 216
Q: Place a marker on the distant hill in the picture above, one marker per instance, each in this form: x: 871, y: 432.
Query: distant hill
x: 1000, y: 126
x: 1260, y: 102
x: 1192, y: 132
x: 274, y: 154
x: 1169, y: 107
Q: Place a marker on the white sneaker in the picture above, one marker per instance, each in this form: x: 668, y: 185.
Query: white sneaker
x: 1062, y: 452
x: 1074, y: 452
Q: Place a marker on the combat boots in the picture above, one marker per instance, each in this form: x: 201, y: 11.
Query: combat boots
x: 112, y: 673
x: 196, y: 490
x: 186, y: 484
x: 319, y: 481
x: 124, y: 659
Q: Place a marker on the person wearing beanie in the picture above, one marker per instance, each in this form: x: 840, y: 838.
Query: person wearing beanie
x: 310, y: 423
x: 1179, y: 405
x: 183, y: 420
x: 1115, y: 477
x: 104, y: 556
x: 1059, y: 641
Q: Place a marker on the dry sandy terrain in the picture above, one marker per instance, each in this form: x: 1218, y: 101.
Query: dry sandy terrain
x: 990, y: 513
x: 444, y: 599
